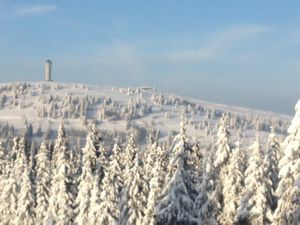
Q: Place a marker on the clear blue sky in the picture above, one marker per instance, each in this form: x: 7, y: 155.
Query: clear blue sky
x: 237, y: 52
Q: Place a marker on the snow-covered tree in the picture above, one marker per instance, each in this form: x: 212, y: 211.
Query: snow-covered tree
x: 94, y: 212
x: 8, y: 199
x: 156, y: 184
x: 150, y: 155
x: 176, y: 205
x: 255, y: 206
x: 110, y: 195
x: 60, y: 210
x: 130, y: 153
x: 288, y: 201
x: 206, y: 204
x: 271, y: 165
x: 86, y: 179
x: 20, y: 162
x: 3, y: 161
x: 233, y: 187
x: 43, y: 178
x: 288, y: 190
x: 61, y: 142
x: 133, y: 201
x: 25, y: 211
x: 224, y: 147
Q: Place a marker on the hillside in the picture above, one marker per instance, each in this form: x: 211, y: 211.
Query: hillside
x: 45, y: 105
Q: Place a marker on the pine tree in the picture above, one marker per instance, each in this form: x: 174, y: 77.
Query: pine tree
x: 223, y: 151
x: 206, y: 204
x: 288, y: 190
x: 43, y: 180
x: 271, y: 166
x: 86, y: 179
x: 156, y: 184
x: 133, y: 202
x: 60, y: 210
x: 255, y: 207
x: 110, y: 196
x: 176, y: 205
x: 20, y: 162
x: 233, y: 187
x: 130, y: 153
x: 25, y: 211
x: 8, y: 199
x: 94, y: 211
x: 150, y: 158
x: 3, y: 161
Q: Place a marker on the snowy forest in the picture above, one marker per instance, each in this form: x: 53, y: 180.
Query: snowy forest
x: 232, y: 169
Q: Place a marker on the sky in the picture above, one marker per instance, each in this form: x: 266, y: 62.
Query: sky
x: 244, y: 53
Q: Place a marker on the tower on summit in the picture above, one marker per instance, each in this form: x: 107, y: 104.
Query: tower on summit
x: 48, y: 65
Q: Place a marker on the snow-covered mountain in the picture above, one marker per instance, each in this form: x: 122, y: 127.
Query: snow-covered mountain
x: 45, y: 105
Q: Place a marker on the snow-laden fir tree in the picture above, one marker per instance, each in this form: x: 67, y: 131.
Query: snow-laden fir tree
x: 233, y: 187
x: 25, y: 211
x: 105, y: 207
x: 59, y: 143
x: 3, y: 161
x: 20, y: 163
x: 288, y: 201
x: 255, y: 206
x: 206, y: 203
x: 13, y: 152
x: 43, y: 179
x: 32, y: 160
x: 222, y: 156
x: 130, y: 154
x: 89, y: 160
x: 156, y: 184
x: 133, y: 200
x: 133, y: 193
x: 8, y: 198
x: 271, y: 165
x: 118, y: 155
x: 176, y: 205
x: 94, y: 213
x: 111, y: 191
x: 60, y: 210
x: 150, y: 156
x: 224, y: 146
x: 288, y: 190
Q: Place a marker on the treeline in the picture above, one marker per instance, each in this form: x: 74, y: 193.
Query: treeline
x: 127, y: 185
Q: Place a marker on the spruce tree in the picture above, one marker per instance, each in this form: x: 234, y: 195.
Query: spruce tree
x: 25, y: 211
x: 233, y: 187
x: 110, y: 195
x: 43, y: 179
x: 156, y: 185
x: 94, y: 212
x: 271, y: 166
x: 206, y: 204
x: 60, y: 210
x: 176, y: 205
x: 87, y: 176
x: 255, y: 206
x: 288, y: 190
x: 8, y: 199
x: 133, y: 202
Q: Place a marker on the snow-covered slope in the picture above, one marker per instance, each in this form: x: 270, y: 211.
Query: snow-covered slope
x: 47, y: 104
